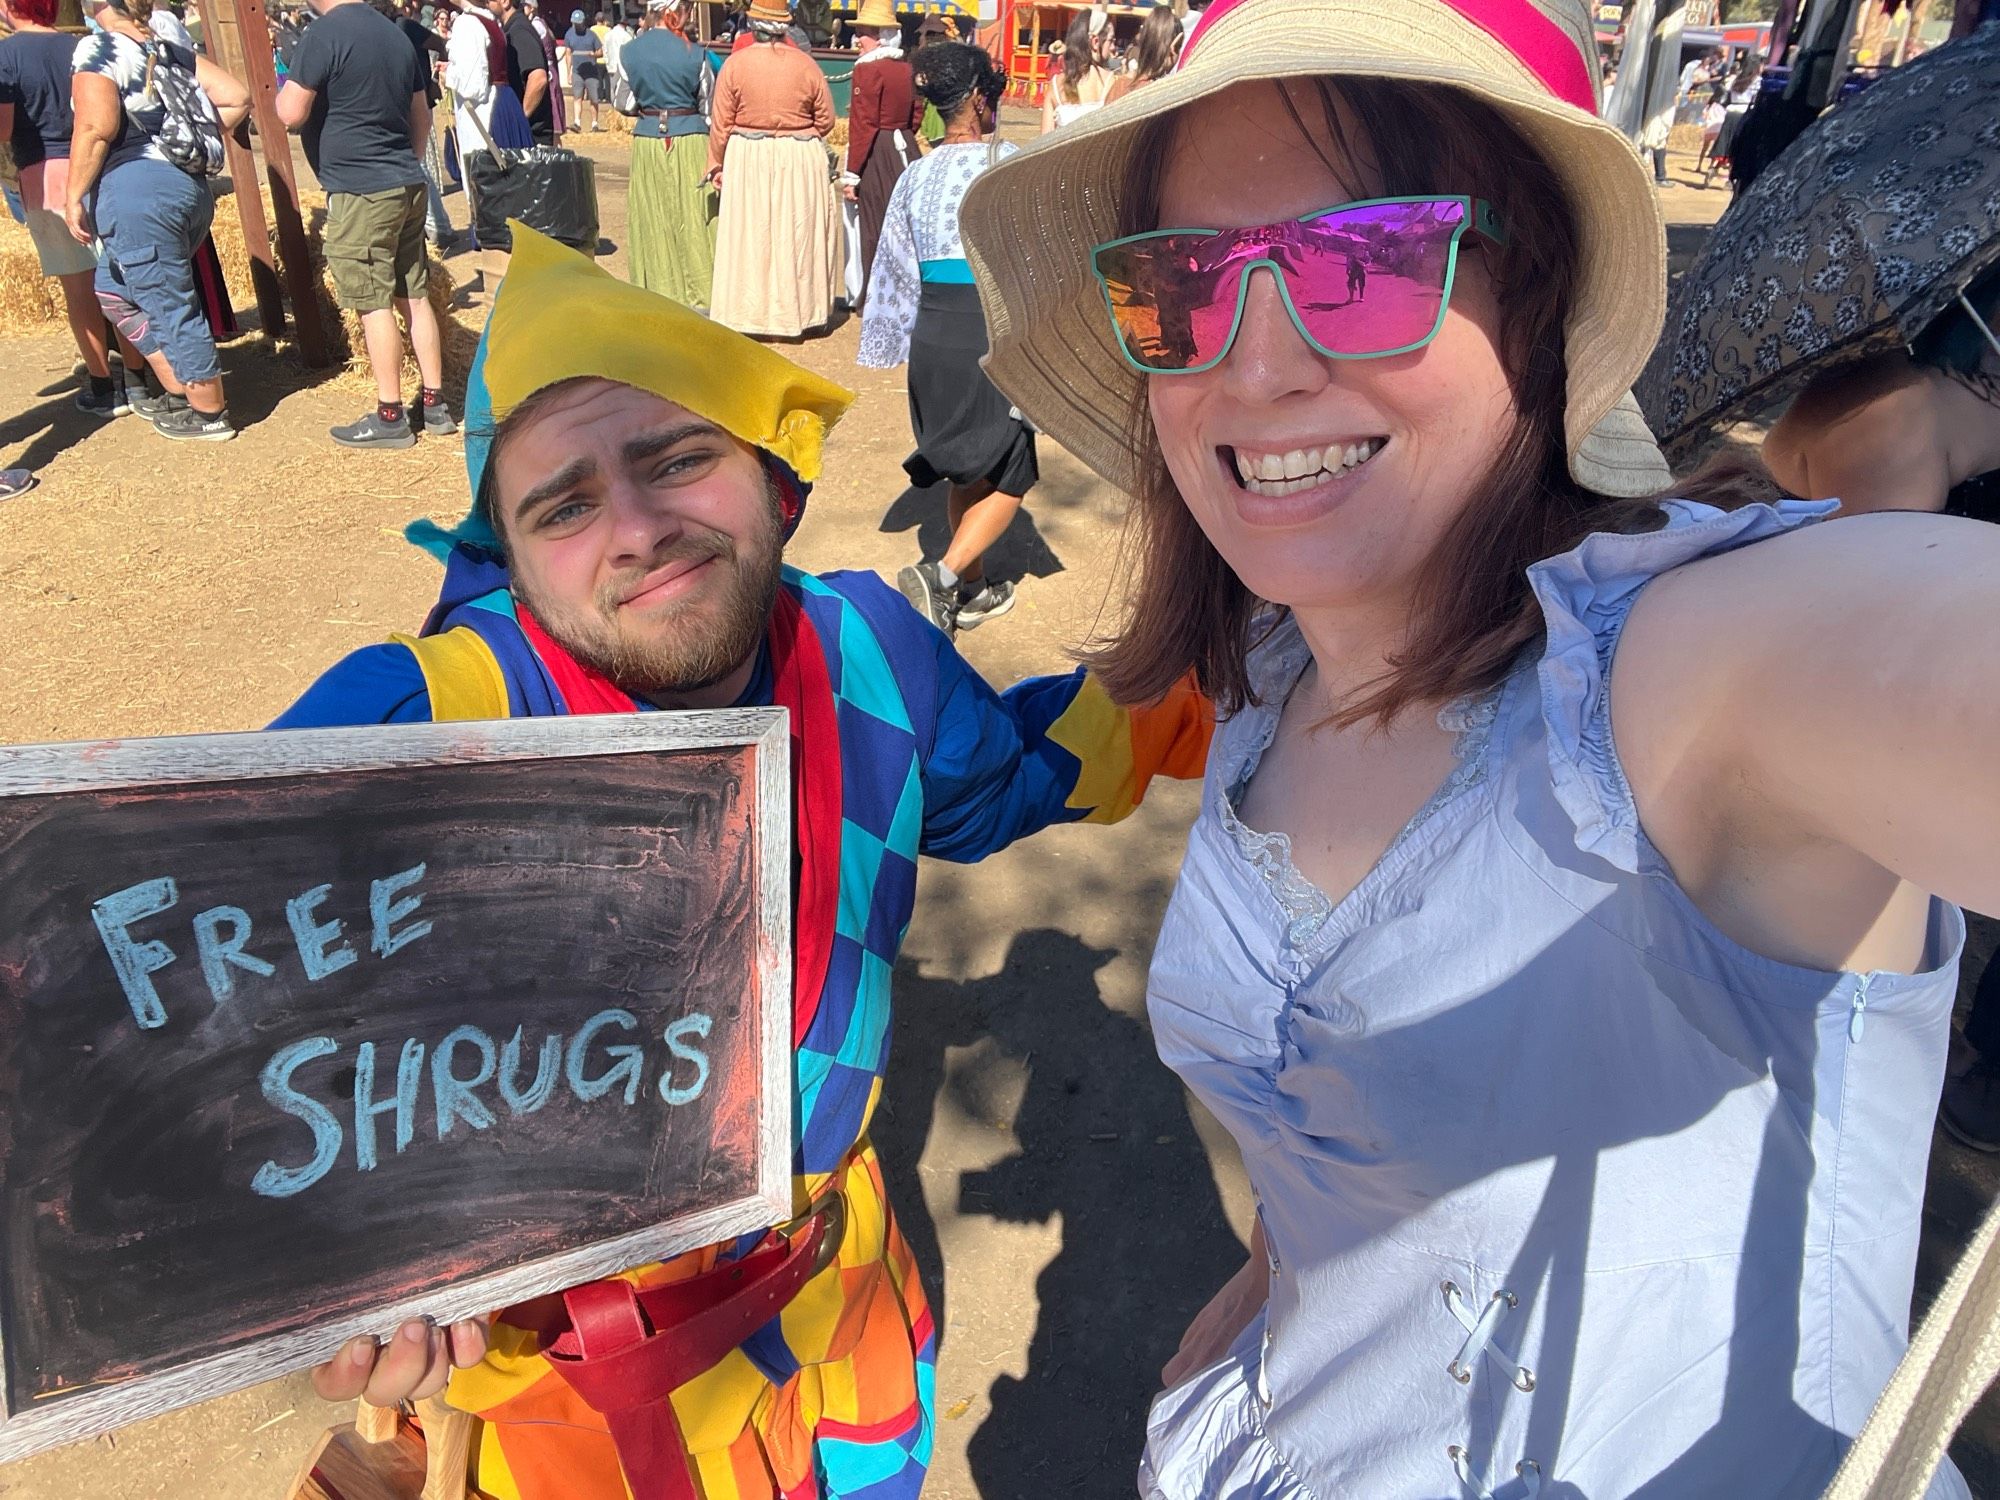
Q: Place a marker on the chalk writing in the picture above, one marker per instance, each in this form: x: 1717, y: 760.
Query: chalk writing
x: 320, y: 949
x: 454, y: 1095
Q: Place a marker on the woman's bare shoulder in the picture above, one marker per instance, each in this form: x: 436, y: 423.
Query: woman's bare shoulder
x: 1719, y: 645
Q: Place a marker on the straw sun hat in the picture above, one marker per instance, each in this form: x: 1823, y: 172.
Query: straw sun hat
x: 879, y: 14
x: 1030, y: 223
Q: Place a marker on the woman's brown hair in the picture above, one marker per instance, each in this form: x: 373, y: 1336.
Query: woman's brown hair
x: 1472, y: 610
x: 1158, y: 45
x: 1078, y: 58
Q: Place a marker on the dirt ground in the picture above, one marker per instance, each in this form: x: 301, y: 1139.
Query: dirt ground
x: 1071, y: 1207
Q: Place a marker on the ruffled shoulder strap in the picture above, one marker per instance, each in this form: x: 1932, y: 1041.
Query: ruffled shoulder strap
x: 1586, y: 596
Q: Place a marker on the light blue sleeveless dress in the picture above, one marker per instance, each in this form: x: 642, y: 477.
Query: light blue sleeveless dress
x: 1566, y: 1193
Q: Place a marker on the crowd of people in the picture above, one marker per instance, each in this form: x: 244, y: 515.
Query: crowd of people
x: 732, y: 208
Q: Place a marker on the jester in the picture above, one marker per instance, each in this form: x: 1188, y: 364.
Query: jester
x: 635, y: 472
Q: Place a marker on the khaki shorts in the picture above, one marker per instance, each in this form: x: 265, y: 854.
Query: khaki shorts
x: 374, y: 246
x: 56, y: 248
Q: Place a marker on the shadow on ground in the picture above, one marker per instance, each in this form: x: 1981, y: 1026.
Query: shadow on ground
x: 1105, y: 1143
x: 252, y: 378
x: 1020, y: 553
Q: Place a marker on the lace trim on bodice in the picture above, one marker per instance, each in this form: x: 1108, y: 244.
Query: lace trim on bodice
x: 1305, y: 906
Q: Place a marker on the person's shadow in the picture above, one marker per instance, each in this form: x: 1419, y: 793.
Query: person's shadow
x: 1021, y: 551
x: 1105, y: 1141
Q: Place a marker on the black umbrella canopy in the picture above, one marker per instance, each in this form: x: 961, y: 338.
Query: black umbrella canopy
x: 1868, y: 227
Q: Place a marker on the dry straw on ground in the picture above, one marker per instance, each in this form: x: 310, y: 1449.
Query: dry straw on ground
x: 28, y: 299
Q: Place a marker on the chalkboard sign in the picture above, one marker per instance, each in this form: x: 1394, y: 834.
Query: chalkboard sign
x: 303, y: 1034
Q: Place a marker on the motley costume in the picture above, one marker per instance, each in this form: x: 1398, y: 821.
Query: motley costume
x: 898, y: 748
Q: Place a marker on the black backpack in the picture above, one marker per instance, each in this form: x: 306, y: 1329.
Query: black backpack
x: 178, y: 115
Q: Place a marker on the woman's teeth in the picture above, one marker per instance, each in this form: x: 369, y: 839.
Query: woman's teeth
x: 1275, y: 474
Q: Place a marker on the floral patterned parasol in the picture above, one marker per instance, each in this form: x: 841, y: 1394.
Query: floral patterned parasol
x: 1868, y: 227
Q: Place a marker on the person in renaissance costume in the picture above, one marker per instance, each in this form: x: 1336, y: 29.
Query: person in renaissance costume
x: 671, y: 205
x: 779, y: 245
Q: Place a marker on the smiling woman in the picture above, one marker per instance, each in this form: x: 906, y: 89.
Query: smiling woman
x: 1583, y: 1077
x: 1489, y: 386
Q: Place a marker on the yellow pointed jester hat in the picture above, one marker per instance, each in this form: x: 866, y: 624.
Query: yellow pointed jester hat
x: 559, y: 316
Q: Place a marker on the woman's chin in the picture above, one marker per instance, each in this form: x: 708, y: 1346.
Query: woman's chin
x: 1325, y: 558
x: 1303, y: 579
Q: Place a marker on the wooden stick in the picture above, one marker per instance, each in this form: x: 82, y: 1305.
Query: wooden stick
x: 375, y: 1424
x: 225, y: 42
x: 300, y: 280
x: 448, y: 1449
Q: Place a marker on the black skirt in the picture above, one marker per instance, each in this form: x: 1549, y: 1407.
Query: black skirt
x: 967, y: 432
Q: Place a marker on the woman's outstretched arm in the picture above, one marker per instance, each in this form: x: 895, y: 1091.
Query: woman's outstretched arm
x: 1820, y: 706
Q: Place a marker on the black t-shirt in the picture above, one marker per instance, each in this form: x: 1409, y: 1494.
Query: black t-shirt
x: 525, y: 56
x: 428, y: 44
x: 358, y: 134
x: 34, y: 78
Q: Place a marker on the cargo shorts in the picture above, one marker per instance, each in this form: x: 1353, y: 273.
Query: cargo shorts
x: 374, y: 247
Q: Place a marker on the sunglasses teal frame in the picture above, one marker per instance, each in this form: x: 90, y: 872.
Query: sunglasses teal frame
x: 1479, y: 216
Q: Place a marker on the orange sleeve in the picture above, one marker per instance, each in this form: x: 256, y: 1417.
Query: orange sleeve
x: 722, y: 114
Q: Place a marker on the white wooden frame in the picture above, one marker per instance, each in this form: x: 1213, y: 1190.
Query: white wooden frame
x: 37, y: 770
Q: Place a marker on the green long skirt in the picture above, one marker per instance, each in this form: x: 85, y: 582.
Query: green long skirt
x: 672, y: 218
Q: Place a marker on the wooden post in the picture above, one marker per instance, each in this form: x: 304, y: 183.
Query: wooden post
x: 224, y: 43
x: 254, y: 31
x: 256, y: 232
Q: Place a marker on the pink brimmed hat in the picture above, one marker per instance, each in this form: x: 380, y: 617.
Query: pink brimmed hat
x: 1030, y: 223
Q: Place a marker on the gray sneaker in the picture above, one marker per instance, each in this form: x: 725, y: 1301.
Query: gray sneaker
x: 993, y: 599
x: 372, y: 432
x: 185, y: 424
x: 151, y: 407
x: 104, y: 405
x: 935, y: 602
x: 438, y: 420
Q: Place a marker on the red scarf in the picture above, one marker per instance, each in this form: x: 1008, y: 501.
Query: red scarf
x: 801, y: 685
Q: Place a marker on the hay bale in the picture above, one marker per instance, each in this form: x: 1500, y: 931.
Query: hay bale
x: 343, y: 328
x: 28, y: 300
